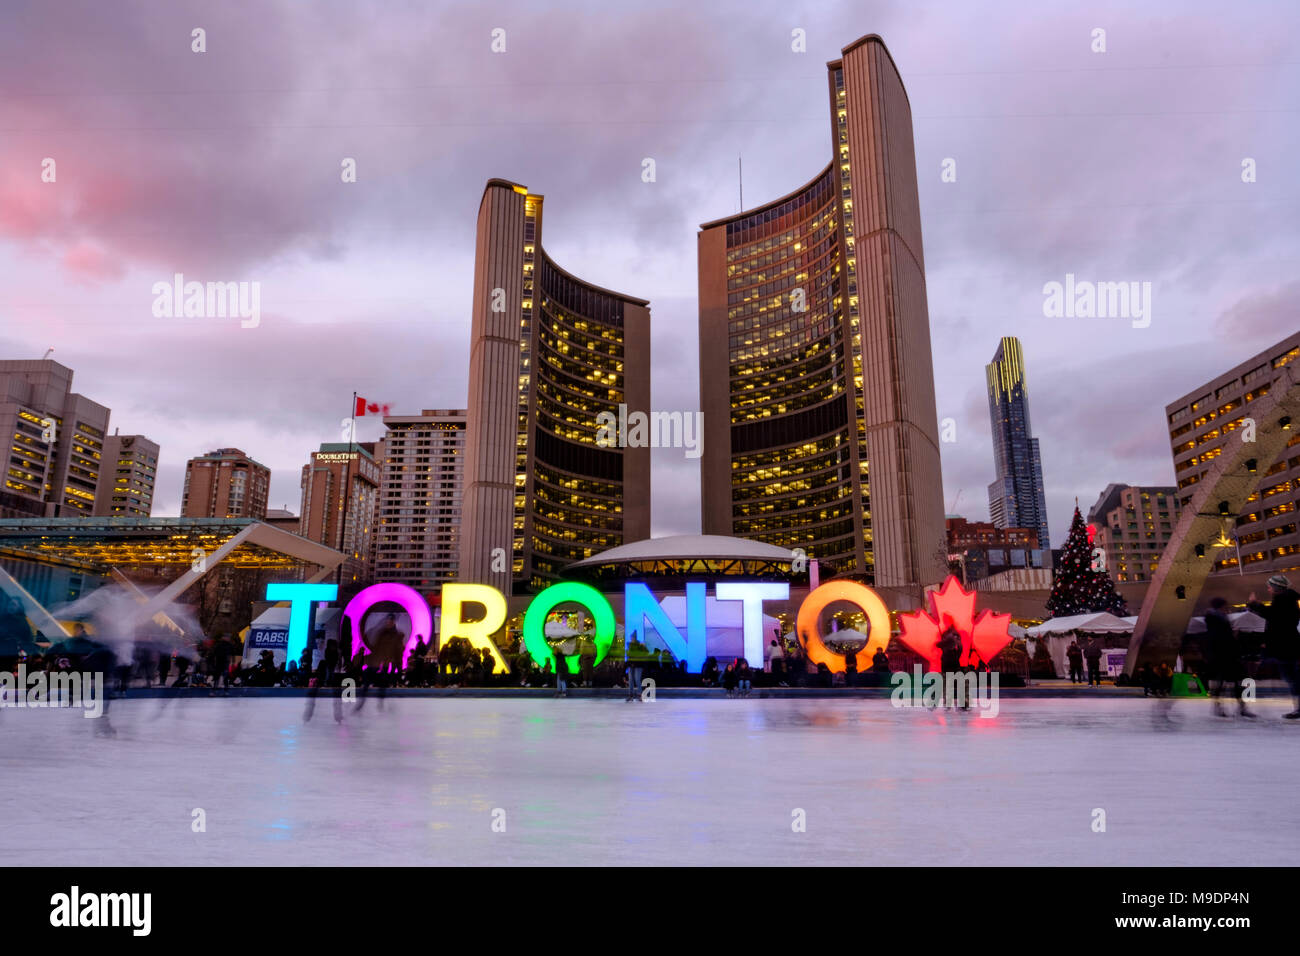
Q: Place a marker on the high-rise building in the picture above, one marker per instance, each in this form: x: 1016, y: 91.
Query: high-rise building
x: 816, y: 378
x: 343, y: 520
x: 56, y: 441
x: 1131, y: 525
x: 1202, y: 422
x: 417, y: 534
x: 284, y: 519
x: 225, y: 483
x: 548, y: 354
x: 1016, y: 496
x: 127, y: 475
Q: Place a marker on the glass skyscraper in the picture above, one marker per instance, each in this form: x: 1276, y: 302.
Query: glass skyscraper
x: 1016, y: 497
x: 816, y: 377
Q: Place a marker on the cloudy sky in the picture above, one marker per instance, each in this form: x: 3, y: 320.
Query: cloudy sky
x: 225, y: 166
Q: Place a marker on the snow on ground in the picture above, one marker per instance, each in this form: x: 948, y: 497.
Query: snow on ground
x: 590, y: 781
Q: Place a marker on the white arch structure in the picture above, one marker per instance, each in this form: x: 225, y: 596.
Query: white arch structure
x: 1220, y: 496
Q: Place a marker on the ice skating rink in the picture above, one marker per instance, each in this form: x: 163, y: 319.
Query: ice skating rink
x: 590, y: 782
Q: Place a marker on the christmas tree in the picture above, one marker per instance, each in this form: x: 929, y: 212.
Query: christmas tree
x: 1076, y: 587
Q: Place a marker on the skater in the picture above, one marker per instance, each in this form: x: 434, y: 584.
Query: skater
x: 1093, y: 655
x: 1147, y: 677
x: 850, y: 669
x: 709, y: 677
x: 220, y: 662
x: 1074, y: 654
x: 949, y: 658
x: 100, y: 661
x: 633, y: 679
x: 743, y: 677
x: 1223, y: 653
x: 561, y: 674
x: 1281, y: 642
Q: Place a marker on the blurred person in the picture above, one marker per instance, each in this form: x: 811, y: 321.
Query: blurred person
x: 949, y: 657
x: 633, y: 679
x: 221, y: 653
x: 1147, y: 676
x: 743, y: 677
x: 1281, y: 641
x: 331, y: 659
x: 1223, y: 657
x: 561, y: 673
x: 102, y: 661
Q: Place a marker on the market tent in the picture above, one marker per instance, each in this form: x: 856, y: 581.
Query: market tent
x: 1060, y: 631
x: 1101, y: 622
x: 1242, y: 622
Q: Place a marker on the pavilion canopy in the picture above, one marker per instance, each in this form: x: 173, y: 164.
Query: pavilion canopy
x: 1242, y: 622
x: 1098, y: 623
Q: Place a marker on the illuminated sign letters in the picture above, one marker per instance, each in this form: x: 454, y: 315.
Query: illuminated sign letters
x: 982, y: 637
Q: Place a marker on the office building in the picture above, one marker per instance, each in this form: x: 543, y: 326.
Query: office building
x: 56, y: 441
x: 421, y: 492
x: 549, y: 353
x: 1016, y: 496
x: 225, y: 483
x: 816, y: 378
x: 1201, y: 423
x: 339, y: 494
x: 980, y: 549
x: 1131, y: 525
x: 128, y: 473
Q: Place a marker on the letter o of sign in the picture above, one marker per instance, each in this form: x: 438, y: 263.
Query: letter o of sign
x: 411, y: 602
x: 863, y: 597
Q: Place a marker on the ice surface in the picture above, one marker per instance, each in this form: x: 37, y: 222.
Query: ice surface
x: 591, y: 781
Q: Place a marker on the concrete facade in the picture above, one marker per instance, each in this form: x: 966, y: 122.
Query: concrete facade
x: 816, y: 375
x: 548, y: 354
x: 56, y: 441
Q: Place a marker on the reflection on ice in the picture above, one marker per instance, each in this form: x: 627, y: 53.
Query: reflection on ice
x: 589, y: 781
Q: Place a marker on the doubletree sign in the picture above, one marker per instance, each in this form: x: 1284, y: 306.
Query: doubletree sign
x: 954, y: 608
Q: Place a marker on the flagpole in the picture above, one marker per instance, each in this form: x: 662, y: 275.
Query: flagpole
x: 343, y: 524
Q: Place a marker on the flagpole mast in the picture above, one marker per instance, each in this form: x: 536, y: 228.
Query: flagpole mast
x: 352, y: 439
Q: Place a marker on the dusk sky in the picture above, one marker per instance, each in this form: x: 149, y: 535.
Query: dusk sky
x: 225, y: 166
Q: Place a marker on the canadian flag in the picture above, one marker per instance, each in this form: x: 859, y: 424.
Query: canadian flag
x: 363, y: 406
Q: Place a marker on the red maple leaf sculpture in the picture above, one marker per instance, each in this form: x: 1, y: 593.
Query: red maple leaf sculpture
x: 984, y: 636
